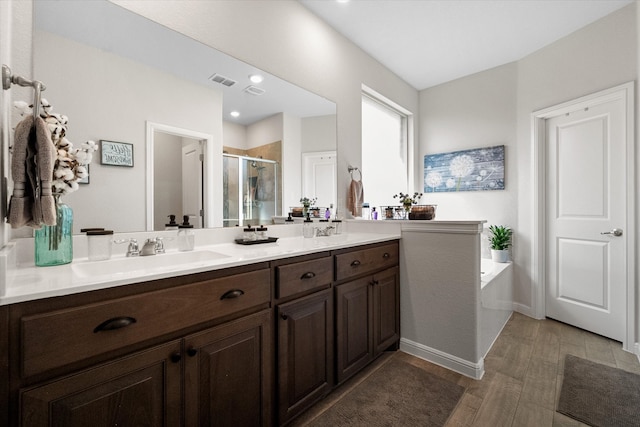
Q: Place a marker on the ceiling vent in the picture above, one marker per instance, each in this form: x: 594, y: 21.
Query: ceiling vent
x: 222, y: 80
x: 253, y: 90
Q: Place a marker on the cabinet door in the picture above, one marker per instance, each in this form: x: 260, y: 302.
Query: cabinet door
x: 143, y: 389
x: 386, y: 309
x: 305, y: 352
x: 228, y: 374
x: 353, y: 327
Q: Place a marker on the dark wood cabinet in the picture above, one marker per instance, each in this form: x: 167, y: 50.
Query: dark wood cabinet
x: 195, y: 352
x: 228, y: 374
x: 305, y: 353
x: 367, y: 295
x: 386, y: 310
x: 354, y: 327
x: 252, y: 345
x: 143, y: 389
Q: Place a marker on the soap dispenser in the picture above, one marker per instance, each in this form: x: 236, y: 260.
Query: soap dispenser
x: 172, y: 225
x: 307, y: 227
x: 186, y: 235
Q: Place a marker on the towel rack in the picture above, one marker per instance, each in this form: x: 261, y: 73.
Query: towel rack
x: 354, y: 169
x: 38, y: 86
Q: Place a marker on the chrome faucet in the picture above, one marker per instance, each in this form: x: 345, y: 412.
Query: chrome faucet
x: 132, y: 249
x: 152, y: 246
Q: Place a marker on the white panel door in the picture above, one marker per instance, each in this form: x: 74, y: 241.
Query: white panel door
x: 586, y: 196
x: 319, y: 177
x: 192, y: 183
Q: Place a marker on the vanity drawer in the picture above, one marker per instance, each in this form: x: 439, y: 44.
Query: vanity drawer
x: 54, y: 339
x: 303, y: 276
x: 363, y: 261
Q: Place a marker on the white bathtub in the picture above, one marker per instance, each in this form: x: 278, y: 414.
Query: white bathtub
x: 496, y: 301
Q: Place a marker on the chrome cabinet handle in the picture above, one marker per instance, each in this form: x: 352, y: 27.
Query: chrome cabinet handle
x: 616, y: 232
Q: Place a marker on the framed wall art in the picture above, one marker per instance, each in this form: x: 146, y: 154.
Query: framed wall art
x: 116, y: 153
x: 85, y: 180
x: 479, y: 169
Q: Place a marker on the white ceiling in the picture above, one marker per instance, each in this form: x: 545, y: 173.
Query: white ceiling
x: 147, y: 42
x: 428, y: 42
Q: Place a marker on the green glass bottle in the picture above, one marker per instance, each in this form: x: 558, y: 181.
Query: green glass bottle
x: 54, y: 243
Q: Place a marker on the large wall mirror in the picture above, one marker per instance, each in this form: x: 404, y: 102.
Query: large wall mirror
x: 120, y: 77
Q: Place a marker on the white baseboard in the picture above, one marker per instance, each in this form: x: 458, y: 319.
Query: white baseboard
x: 524, y: 309
x: 454, y: 363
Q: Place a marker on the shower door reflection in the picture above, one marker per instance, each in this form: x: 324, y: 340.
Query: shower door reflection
x: 250, y: 190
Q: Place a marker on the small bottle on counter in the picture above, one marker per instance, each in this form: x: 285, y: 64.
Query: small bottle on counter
x: 261, y: 233
x: 289, y: 220
x: 374, y: 213
x: 186, y: 235
x: 172, y: 225
x: 249, y: 233
x: 337, y: 225
x: 99, y: 244
x: 307, y: 227
x: 366, y: 214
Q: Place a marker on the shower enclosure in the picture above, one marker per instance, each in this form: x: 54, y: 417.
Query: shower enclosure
x: 250, y: 190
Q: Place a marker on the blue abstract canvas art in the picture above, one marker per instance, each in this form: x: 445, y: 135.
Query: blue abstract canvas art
x: 479, y: 169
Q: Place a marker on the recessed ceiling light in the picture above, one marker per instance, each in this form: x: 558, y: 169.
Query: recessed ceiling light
x: 256, y: 78
x: 235, y: 114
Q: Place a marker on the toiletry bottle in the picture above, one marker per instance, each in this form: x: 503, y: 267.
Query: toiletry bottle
x: 327, y: 213
x: 249, y: 233
x: 186, y: 235
x: 289, y: 220
x: 337, y: 226
x: 99, y: 243
x: 261, y: 233
x: 307, y: 227
x: 374, y: 213
x: 365, y: 211
x: 172, y: 225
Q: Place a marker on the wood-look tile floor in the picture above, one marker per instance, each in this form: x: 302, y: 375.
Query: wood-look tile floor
x: 523, y: 375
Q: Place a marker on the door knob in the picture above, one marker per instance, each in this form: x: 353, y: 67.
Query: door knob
x: 615, y: 232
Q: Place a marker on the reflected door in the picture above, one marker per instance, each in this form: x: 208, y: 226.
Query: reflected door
x: 192, y: 183
x: 319, y: 177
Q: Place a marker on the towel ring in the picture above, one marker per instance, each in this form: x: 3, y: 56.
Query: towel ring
x: 354, y: 169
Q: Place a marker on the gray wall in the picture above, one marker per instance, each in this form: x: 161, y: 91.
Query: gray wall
x: 495, y: 106
x: 285, y: 39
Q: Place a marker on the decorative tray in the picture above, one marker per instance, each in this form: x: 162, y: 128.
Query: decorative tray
x: 256, y: 242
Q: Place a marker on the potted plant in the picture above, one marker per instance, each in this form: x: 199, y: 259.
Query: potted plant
x: 407, y: 201
x: 500, y: 241
x: 307, y: 203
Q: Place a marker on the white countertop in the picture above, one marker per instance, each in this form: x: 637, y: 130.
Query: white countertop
x: 27, y: 282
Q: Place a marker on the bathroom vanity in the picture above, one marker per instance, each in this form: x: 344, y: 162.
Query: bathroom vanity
x: 252, y: 339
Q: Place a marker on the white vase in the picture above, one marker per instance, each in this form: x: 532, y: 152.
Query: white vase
x: 500, y: 255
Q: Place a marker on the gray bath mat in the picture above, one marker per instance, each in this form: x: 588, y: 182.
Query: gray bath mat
x: 599, y: 395
x: 397, y: 394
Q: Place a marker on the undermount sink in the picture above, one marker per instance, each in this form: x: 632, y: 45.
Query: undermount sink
x: 150, y: 263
